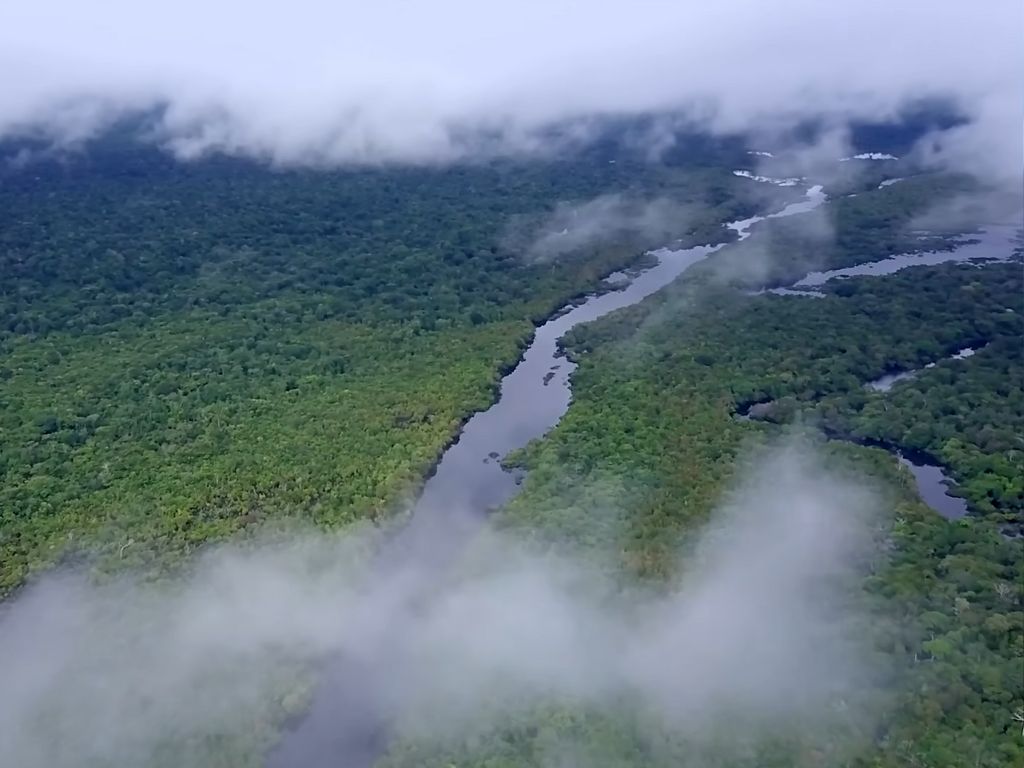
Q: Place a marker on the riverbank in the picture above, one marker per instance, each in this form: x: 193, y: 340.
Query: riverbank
x: 467, y: 483
x: 631, y: 473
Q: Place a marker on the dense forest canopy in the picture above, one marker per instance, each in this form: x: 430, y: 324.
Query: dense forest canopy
x: 652, y: 440
x: 190, y: 348
x: 196, y: 352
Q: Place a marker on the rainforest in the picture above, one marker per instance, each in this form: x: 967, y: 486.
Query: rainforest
x: 375, y: 394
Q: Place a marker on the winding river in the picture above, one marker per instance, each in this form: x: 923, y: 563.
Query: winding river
x: 536, y: 394
x: 993, y: 243
x: 358, y: 696
x: 347, y: 722
x: 933, y: 484
x: 886, y: 382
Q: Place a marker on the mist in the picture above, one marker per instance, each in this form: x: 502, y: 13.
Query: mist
x: 318, y: 83
x: 753, y: 628
x: 573, y: 227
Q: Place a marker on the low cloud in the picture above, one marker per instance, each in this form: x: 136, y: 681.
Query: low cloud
x: 118, y: 673
x: 990, y: 150
x: 772, y: 247
x: 965, y: 212
x: 575, y: 227
x: 989, y: 147
x: 816, y: 160
x: 318, y: 83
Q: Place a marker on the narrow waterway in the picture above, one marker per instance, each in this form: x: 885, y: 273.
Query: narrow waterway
x: 993, y: 243
x: 886, y: 382
x: 933, y: 485
x: 347, y: 723
x: 930, y: 478
x: 536, y: 394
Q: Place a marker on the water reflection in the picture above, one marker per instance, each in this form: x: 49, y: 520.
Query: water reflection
x: 993, y: 243
x: 886, y: 382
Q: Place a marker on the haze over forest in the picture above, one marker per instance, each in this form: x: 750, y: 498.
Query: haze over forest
x: 325, y: 83
x: 561, y: 384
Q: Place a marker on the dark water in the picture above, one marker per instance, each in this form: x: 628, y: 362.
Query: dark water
x: 754, y: 411
x: 933, y: 486
x: 536, y: 394
x: 886, y: 382
x: 932, y: 482
x: 993, y: 243
x: 347, y: 723
x: 533, y: 397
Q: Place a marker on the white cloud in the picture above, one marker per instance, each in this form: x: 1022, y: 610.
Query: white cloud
x: 312, y: 81
x: 112, y: 674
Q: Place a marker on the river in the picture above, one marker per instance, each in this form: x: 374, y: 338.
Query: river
x: 347, y: 722
x: 993, y: 243
x: 933, y: 485
x: 885, y: 382
x: 536, y: 394
x: 354, y: 703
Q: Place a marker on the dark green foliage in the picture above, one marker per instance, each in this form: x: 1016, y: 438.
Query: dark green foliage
x: 849, y: 230
x: 651, y: 443
x: 968, y: 414
x: 187, y: 350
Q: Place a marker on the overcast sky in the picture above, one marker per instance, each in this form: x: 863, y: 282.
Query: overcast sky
x: 315, y: 80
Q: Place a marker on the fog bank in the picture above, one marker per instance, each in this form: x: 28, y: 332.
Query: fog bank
x: 313, y: 82
x: 753, y: 628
